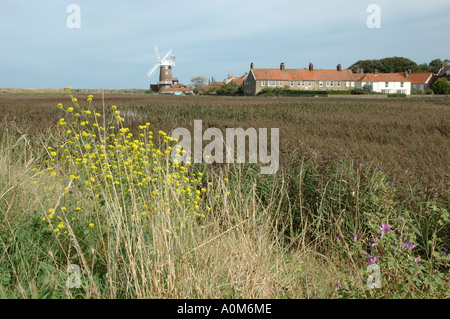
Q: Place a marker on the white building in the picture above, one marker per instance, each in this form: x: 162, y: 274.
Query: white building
x: 385, y: 82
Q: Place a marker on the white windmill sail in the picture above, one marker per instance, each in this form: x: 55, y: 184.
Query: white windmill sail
x: 162, y: 62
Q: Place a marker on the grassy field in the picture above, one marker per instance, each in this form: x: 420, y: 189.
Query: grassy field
x: 361, y: 181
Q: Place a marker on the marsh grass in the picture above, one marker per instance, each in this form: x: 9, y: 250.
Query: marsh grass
x: 240, y: 234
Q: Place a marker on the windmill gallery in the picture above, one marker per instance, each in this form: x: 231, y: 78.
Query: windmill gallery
x: 167, y: 84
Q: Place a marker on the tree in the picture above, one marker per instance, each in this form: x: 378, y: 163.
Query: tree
x: 386, y: 65
x: 420, y: 68
x: 228, y: 89
x: 441, y: 86
x: 436, y: 63
x: 198, y: 81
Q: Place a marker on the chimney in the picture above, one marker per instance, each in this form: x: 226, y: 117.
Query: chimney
x: 282, y: 66
x: 362, y: 70
x: 376, y: 71
x: 339, y: 67
x: 409, y: 71
x: 406, y: 74
x: 311, y: 67
x: 251, y: 66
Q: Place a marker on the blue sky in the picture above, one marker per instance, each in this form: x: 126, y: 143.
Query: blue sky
x: 114, y: 48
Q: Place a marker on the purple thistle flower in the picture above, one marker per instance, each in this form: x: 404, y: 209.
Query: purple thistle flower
x: 385, y: 228
x: 355, y: 237
x: 338, y: 287
x: 372, y: 260
x: 337, y: 238
x: 445, y: 251
x: 410, y: 246
x: 375, y: 242
x: 317, y: 295
x: 416, y: 260
x: 271, y: 290
x: 292, y: 250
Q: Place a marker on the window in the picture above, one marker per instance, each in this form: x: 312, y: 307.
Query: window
x: 310, y: 83
x: 353, y: 84
x: 292, y: 83
x: 332, y: 83
x: 320, y: 83
x: 386, y: 84
x: 281, y: 83
x: 347, y: 83
x: 339, y: 84
x: 298, y: 83
x: 274, y: 83
x: 263, y: 83
x: 328, y: 83
x: 303, y: 83
x: 402, y: 84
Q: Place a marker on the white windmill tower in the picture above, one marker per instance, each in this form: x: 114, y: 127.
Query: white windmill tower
x: 165, y: 71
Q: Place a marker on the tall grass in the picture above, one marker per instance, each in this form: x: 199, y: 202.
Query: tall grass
x: 142, y: 226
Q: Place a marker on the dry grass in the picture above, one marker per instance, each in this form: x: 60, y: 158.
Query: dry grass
x: 407, y: 138
x: 264, y: 238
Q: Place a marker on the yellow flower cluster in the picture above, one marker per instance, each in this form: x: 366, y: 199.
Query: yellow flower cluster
x: 106, y: 162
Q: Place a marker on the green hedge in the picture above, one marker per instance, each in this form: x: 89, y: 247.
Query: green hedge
x: 358, y: 91
x: 396, y: 95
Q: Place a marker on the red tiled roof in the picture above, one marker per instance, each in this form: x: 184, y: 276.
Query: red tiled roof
x: 240, y: 80
x: 358, y: 76
x: 178, y: 88
x: 302, y: 74
x: 206, y: 87
x: 420, y: 78
x: 384, y: 77
x: 179, y: 85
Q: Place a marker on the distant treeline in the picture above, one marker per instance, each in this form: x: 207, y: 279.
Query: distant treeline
x: 397, y: 64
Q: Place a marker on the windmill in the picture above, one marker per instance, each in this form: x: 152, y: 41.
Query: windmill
x: 165, y: 71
